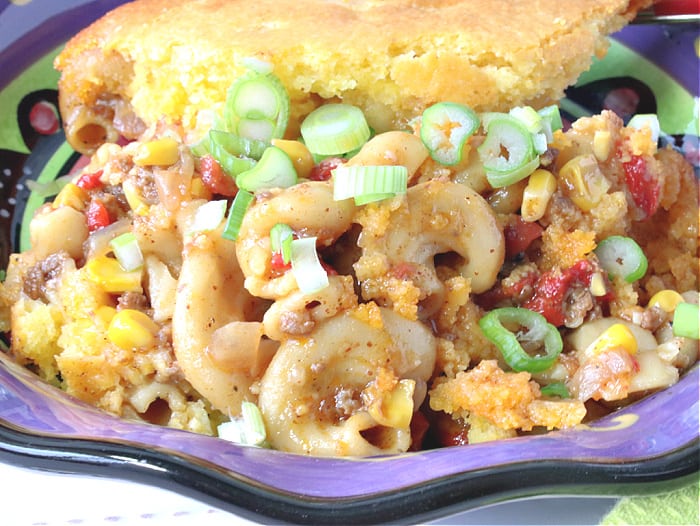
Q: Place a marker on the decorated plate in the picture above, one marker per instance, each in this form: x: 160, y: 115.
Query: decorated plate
x: 645, y: 447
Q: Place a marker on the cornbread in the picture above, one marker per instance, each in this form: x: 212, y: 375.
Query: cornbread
x: 154, y: 59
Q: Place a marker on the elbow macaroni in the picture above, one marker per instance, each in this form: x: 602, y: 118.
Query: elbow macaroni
x: 345, y: 370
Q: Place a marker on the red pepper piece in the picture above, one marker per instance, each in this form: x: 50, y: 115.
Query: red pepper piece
x: 642, y: 184
x: 551, y: 290
x: 278, y: 264
x: 90, y: 181
x: 322, y: 171
x: 519, y: 235
x: 215, y: 179
x: 97, y: 215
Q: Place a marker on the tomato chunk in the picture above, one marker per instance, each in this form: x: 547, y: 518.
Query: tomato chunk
x: 519, y: 235
x: 97, y: 215
x: 215, y: 179
x: 90, y: 181
x: 643, y: 185
x: 322, y: 171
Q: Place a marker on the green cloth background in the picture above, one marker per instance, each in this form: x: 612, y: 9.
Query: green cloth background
x: 675, y: 507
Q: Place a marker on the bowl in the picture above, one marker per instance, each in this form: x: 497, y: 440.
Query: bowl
x: 648, y: 446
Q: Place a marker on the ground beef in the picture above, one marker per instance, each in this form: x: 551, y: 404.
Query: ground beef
x: 37, y: 280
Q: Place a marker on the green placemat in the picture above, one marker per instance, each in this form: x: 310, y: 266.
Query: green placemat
x: 675, y: 507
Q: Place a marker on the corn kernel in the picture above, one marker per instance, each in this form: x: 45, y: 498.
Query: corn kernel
x: 602, y: 144
x: 108, y: 274
x: 159, y: 152
x: 539, y: 190
x: 583, y: 181
x: 198, y: 189
x: 71, y: 195
x: 133, y: 198
x: 666, y: 300
x: 395, y: 408
x: 132, y: 329
x: 597, y: 285
x: 300, y: 155
x: 105, y: 313
x: 617, y: 336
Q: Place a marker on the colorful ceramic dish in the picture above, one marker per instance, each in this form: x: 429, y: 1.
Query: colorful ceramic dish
x: 650, y: 445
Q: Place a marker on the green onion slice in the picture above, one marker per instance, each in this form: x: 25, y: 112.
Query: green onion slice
x: 257, y: 107
x: 508, y: 152
x: 306, y: 267
x: 507, y: 327
x: 643, y: 120
x: 236, y: 145
x: 274, y: 170
x: 239, y: 207
x: 530, y: 118
x: 247, y: 429
x: 686, y: 320
x: 445, y: 127
x: 127, y: 251
x: 231, y: 164
x: 281, y: 236
x: 551, y: 121
x: 335, y: 129
x: 368, y: 183
x: 208, y: 216
x: 622, y: 257
x: 49, y: 188
x: 555, y: 389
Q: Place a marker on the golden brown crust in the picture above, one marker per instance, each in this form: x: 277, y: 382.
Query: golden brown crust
x: 391, y: 57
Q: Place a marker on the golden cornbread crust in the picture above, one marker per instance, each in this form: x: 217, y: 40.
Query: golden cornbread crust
x: 393, y: 58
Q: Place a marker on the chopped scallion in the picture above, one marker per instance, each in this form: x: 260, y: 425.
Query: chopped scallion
x: 127, y: 251
x: 239, y: 207
x: 368, y: 183
x: 622, y: 257
x: 555, y: 389
x: 274, y: 170
x: 551, y: 121
x: 247, y: 429
x: 508, y: 152
x: 686, y: 320
x: 643, y: 120
x: 445, y: 127
x: 335, y: 129
x: 281, y: 236
x: 306, y: 266
x: 257, y: 107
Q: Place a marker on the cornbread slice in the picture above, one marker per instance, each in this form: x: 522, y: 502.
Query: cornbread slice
x: 171, y: 59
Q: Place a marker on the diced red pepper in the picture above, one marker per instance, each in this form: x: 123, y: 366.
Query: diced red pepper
x: 90, y: 181
x: 551, y: 290
x: 215, y: 179
x: 519, y: 235
x: 322, y: 171
x: 277, y: 263
x: 97, y: 215
x: 642, y: 184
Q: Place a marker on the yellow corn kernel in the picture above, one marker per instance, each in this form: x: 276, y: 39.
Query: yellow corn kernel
x: 198, y: 189
x: 583, y: 181
x: 133, y: 198
x: 539, y: 190
x: 300, y: 155
x: 105, y: 313
x: 71, y: 195
x: 617, y: 336
x: 132, y: 329
x: 159, y: 152
x: 395, y: 408
x: 602, y: 144
x: 666, y: 300
x: 108, y: 274
x: 597, y: 286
